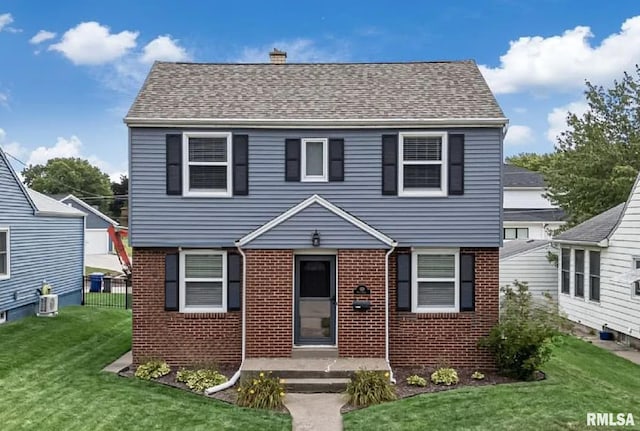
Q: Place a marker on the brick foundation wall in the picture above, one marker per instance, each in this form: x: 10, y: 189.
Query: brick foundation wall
x: 427, y: 339
x: 178, y: 338
x: 361, y: 334
x: 269, y: 303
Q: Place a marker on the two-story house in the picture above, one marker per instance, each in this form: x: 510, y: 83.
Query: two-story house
x: 350, y: 208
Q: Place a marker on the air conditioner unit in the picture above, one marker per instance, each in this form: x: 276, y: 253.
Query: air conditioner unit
x: 48, y: 305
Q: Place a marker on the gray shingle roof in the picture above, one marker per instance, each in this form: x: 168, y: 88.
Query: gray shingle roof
x: 511, y: 248
x: 515, y: 176
x: 51, y: 206
x: 427, y: 90
x: 541, y: 215
x: 596, y: 228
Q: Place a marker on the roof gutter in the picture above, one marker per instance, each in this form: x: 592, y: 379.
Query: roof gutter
x: 603, y: 243
x: 57, y: 214
x: 316, y: 123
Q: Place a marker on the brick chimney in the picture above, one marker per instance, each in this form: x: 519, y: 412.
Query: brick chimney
x: 277, y: 57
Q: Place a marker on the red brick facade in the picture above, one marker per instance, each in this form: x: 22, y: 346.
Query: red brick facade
x: 423, y: 339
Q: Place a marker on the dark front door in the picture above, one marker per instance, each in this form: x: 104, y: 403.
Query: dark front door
x: 315, y: 303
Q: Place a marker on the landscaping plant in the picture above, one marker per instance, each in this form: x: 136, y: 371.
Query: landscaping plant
x: 199, y: 380
x: 152, y: 369
x: 263, y: 391
x: 445, y: 376
x: 370, y: 387
x: 416, y: 380
x: 521, y: 341
x: 477, y: 375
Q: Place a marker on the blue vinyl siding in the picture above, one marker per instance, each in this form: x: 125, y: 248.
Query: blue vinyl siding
x: 41, y: 247
x: 471, y: 220
x: 93, y: 221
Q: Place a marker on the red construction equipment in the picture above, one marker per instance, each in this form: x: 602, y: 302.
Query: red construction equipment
x: 116, y: 235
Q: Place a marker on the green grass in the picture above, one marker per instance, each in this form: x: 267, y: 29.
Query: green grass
x: 106, y: 299
x: 51, y: 379
x: 88, y: 270
x: 581, y: 378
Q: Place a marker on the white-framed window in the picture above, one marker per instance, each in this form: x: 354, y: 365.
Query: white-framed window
x: 422, y: 164
x: 315, y: 160
x: 635, y: 289
x: 203, y: 280
x: 578, y: 273
x: 594, y: 275
x: 207, y: 164
x: 435, y: 281
x: 5, y: 253
x: 565, y: 270
x: 516, y: 233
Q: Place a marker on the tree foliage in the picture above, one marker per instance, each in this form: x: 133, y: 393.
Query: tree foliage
x: 532, y: 161
x: 70, y: 176
x: 598, y: 158
x: 120, y: 191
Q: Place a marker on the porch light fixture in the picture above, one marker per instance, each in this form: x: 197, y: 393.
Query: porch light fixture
x: 315, y: 239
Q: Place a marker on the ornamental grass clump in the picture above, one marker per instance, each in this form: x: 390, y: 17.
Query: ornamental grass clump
x: 445, y: 376
x: 199, y: 380
x: 152, y: 369
x: 370, y: 387
x: 264, y: 391
x: 416, y: 380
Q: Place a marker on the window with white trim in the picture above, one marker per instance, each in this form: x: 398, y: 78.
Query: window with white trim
x: 516, y: 232
x: 565, y: 267
x: 435, y: 281
x: 594, y: 275
x: 207, y: 164
x: 4, y: 253
x: 203, y: 280
x: 422, y: 165
x: 578, y: 273
x: 315, y: 160
x: 636, y: 283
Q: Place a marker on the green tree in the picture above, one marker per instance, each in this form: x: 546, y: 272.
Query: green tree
x: 71, y: 176
x: 120, y: 191
x: 532, y: 161
x: 598, y: 158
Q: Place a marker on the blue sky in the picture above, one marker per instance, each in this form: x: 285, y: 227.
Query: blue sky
x: 71, y: 69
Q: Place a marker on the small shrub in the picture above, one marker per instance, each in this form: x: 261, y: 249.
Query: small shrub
x: 152, y: 369
x: 445, y: 376
x: 370, y: 387
x: 521, y: 341
x: 477, y: 375
x: 199, y: 380
x: 263, y: 391
x: 416, y: 380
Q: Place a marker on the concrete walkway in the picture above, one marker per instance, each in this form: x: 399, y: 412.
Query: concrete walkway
x: 315, y: 412
x: 105, y: 261
x: 119, y: 364
x: 621, y: 350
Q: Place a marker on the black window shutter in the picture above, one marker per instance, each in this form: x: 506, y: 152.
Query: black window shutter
x: 456, y: 164
x: 234, y: 281
x: 403, y: 294
x: 240, y: 165
x: 292, y: 159
x: 171, y: 282
x: 174, y: 164
x: 389, y: 164
x: 467, y: 282
x: 336, y: 159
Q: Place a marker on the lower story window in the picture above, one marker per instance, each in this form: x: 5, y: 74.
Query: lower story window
x: 594, y: 275
x: 435, y: 281
x: 516, y: 232
x: 565, y: 263
x: 4, y: 253
x: 203, y: 277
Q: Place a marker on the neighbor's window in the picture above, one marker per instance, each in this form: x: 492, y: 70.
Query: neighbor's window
x: 435, y: 281
x: 636, y: 284
x: 203, y: 277
x: 4, y: 253
x: 565, y: 263
x: 579, y: 273
x: 423, y: 164
x: 594, y: 275
x: 315, y: 160
x: 516, y: 232
x: 207, y: 162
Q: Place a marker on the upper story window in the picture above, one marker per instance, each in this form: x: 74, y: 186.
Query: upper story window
x: 315, y: 160
x: 435, y: 281
x: 207, y: 164
x: 422, y: 164
x: 516, y: 232
x: 4, y: 253
x: 202, y: 281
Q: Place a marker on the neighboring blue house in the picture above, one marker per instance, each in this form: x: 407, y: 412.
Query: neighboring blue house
x: 40, y: 239
x: 96, y: 237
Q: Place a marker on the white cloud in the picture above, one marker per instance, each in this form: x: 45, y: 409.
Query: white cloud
x: 11, y: 148
x: 563, y: 62
x: 42, y: 36
x: 5, y: 20
x: 298, y: 51
x: 90, y: 43
x: 557, y: 118
x: 518, y: 135
x: 62, y: 148
x: 4, y: 99
x: 164, y: 48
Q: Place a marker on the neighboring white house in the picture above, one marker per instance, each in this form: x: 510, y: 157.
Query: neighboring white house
x: 97, y: 239
x: 527, y: 213
x: 526, y: 261
x: 599, y: 270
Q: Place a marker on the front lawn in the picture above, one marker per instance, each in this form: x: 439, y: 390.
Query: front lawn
x: 581, y: 378
x: 51, y: 379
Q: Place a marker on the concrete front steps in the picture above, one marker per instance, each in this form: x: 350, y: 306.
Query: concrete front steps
x: 309, y: 374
